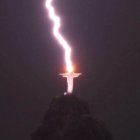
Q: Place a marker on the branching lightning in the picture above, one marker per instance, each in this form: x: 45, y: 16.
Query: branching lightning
x: 57, y: 23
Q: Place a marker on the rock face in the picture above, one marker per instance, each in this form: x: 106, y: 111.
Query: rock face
x: 68, y: 118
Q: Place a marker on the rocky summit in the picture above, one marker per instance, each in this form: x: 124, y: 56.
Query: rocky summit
x: 68, y: 118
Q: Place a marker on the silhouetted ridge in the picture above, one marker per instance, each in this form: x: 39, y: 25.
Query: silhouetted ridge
x: 68, y: 118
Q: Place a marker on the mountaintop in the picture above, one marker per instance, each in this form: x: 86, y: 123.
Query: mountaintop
x: 68, y: 118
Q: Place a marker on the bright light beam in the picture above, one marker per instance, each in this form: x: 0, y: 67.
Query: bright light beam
x: 57, y: 23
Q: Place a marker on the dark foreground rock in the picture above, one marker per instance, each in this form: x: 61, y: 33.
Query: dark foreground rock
x: 68, y: 118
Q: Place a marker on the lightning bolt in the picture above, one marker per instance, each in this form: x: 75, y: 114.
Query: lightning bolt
x: 57, y: 23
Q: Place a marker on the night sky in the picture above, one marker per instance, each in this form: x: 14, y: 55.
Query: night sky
x: 105, y: 39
